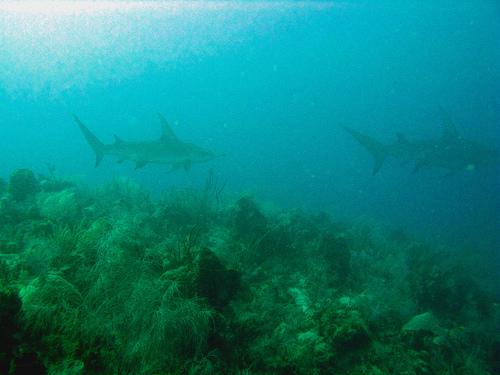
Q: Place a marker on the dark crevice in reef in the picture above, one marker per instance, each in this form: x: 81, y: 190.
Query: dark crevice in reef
x: 111, y: 281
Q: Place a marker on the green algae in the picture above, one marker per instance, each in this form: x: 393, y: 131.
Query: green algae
x: 113, y: 281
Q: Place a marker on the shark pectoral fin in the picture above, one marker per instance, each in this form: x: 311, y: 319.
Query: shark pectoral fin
x: 187, y: 165
x: 98, y: 159
x: 401, y: 138
x: 379, y: 160
x: 118, y: 140
x: 450, y: 132
x: 140, y: 164
x: 418, y: 166
x: 449, y: 174
x: 175, y: 167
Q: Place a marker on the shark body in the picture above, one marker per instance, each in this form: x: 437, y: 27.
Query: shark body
x: 167, y: 150
x: 450, y: 151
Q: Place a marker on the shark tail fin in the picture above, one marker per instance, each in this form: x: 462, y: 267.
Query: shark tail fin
x: 374, y: 147
x: 92, y: 140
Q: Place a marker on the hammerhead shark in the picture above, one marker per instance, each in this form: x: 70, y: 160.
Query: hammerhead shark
x: 450, y: 151
x: 168, y: 149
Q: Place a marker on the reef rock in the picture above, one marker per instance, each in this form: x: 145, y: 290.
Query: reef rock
x: 22, y: 184
x: 214, y: 281
x: 425, y: 322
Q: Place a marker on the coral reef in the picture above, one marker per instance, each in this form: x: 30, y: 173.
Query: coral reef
x: 337, y: 254
x: 3, y: 186
x: 113, y: 281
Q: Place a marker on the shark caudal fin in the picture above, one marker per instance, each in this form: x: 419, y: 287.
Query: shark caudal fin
x: 92, y: 140
x: 374, y: 147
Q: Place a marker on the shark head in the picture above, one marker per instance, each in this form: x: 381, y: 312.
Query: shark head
x: 482, y: 157
x: 201, y: 155
x: 456, y: 153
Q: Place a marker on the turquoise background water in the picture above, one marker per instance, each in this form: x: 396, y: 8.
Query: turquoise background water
x: 269, y: 84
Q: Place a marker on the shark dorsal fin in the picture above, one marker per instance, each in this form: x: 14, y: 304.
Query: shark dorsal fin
x: 118, y: 140
x: 450, y: 131
x: 167, y: 134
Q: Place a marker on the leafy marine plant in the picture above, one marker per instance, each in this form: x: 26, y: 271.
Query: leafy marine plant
x: 51, y: 313
x: 62, y: 206
x: 167, y: 331
x: 50, y: 301
x: 154, y: 324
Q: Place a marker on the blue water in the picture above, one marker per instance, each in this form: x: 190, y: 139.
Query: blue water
x: 270, y: 84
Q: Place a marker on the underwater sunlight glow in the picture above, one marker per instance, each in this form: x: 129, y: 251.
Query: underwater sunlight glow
x: 57, y: 45
x: 58, y: 8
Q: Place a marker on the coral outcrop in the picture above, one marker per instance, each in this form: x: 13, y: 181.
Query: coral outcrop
x: 112, y: 281
x: 22, y: 184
